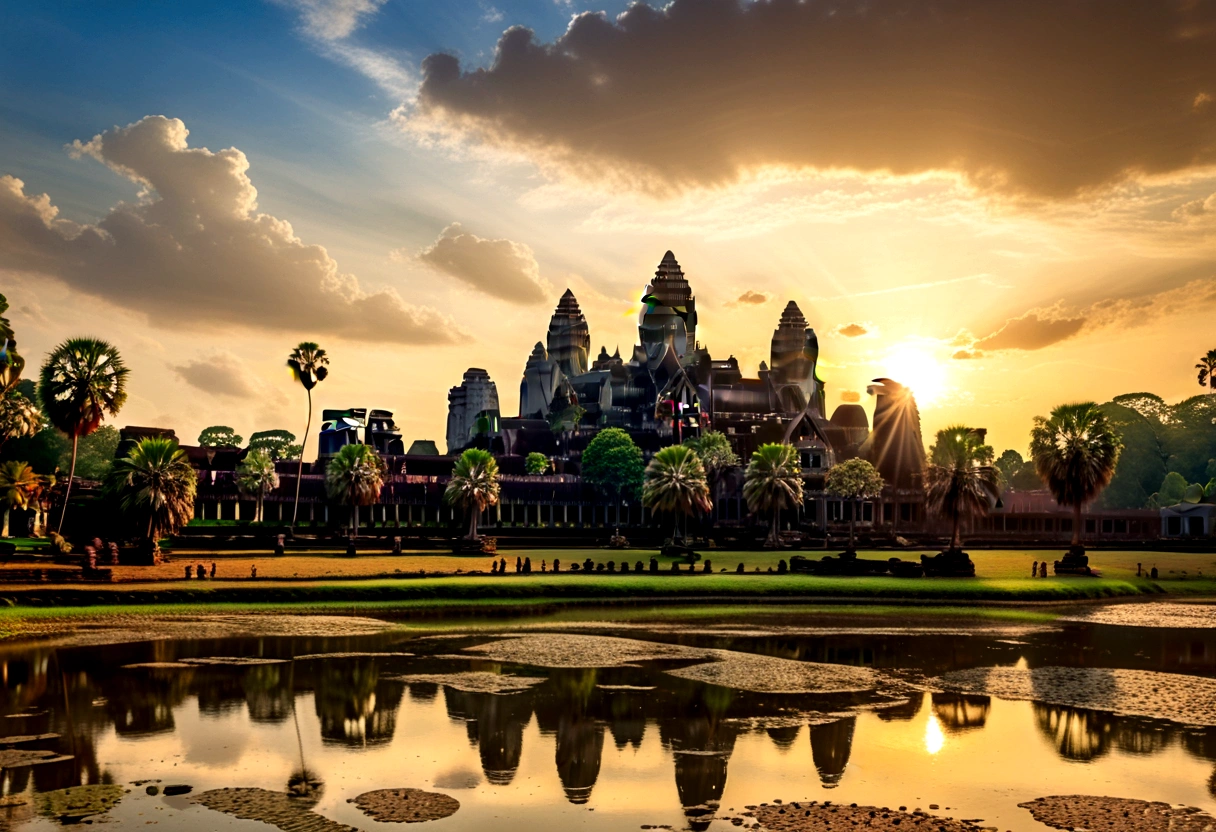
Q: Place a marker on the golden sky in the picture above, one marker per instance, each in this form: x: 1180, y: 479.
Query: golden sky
x: 1005, y: 206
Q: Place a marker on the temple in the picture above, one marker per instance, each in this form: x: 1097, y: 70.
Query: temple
x: 669, y: 388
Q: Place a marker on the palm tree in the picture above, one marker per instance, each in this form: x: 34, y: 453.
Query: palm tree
x: 1207, y: 370
x: 19, y: 487
x: 82, y: 381
x: 960, y: 480
x: 853, y: 480
x: 154, y: 484
x: 773, y: 482
x: 1075, y: 453
x: 308, y: 364
x: 473, y: 486
x: 355, y: 476
x: 716, y: 455
x: 256, y: 476
x: 19, y: 417
x: 675, y: 483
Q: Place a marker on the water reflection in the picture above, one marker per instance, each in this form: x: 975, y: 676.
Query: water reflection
x: 68, y: 699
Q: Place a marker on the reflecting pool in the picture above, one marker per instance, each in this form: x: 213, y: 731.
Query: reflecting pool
x: 314, y: 722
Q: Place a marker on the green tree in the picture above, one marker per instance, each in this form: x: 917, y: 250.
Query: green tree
x: 675, y: 484
x: 82, y: 381
x: 309, y: 366
x: 256, y: 477
x: 1008, y: 464
x: 716, y: 455
x: 278, y: 443
x: 1149, y: 405
x: 96, y: 454
x: 1172, y: 490
x: 853, y: 480
x: 1142, y: 464
x: 537, y: 463
x: 1207, y: 369
x: 773, y: 482
x: 154, y: 486
x: 19, y: 486
x: 219, y: 436
x: 354, y: 477
x: 1075, y: 453
x: 11, y: 362
x: 612, y: 462
x: 473, y: 486
x: 960, y: 480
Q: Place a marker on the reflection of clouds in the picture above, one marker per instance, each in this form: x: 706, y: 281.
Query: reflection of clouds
x: 204, y: 745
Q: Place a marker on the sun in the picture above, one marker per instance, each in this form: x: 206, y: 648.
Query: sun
x: 914, y: 366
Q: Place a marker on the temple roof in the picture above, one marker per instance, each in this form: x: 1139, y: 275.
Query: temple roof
x: 568, y: 306
x: 669, y: 269
x: 792, y: 317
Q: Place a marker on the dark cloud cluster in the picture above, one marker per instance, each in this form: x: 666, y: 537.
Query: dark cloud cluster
x: 1038, y: 97
x: 194, y: 250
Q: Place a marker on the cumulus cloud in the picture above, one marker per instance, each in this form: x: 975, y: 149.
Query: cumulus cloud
x: 967, y: 354
x: 751, y: 298
x: 1196, y: 208
x: 1037, y: 97
x: 220, y: 373
x: 1032, y: 331
x: 194, y: 250
x: 850, y: 396
x: 500, y: 268
x: 852, y: 330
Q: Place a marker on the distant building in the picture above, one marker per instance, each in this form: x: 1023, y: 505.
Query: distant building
x: 423, y: 447
x: 358, y: 425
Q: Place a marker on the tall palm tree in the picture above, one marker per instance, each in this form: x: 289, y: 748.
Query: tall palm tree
x: 355, y: 476
x: 675, y: 483
x: 82, y: 381
x: 473, y: 486
x: 154, y: 485
x: 716, y: 455
x: 960, y: 480
x: 308, y: 363
x: 19, y: 487
x: 256, y: 476
x: 773, y: 482
x: 1075, y: 453
x: 853, y: 480
x: 1207, y: 370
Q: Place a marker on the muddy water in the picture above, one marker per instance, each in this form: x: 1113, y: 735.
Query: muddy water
x: 599, y: 748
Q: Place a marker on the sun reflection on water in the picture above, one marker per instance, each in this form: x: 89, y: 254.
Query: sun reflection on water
x: 934, y: 738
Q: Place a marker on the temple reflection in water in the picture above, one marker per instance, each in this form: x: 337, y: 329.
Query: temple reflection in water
x: 60, y: 703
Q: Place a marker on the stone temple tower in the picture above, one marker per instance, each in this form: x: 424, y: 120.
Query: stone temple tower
x: 569, y: 340
x: 674, y: 318
x: 793, y: 356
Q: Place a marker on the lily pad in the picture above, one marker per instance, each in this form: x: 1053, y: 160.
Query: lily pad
x: 406, y: 805
x: 78, y: 802
x: 566, y: 650
x: 813, y: 816
x: 472, y: 682
x: 767, y: 674
x: 1116, y: 814
x: 274, y: 808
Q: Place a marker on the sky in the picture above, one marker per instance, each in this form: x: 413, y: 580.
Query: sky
x: 1005, y: 206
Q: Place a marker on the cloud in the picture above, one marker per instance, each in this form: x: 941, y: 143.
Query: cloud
x: 964, y: 355
x: 220, y: 374
x: 1032, y: 331
x: 850, y: 396
x: 499, y: 268
x: 1196, y: 208
x: 852, y: 330
x: 332, y: 19
x: 1037, y: 97
x: 193, y: 251
x: 751, y: 298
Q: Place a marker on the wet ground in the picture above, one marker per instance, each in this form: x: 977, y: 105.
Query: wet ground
x: 521, y: 725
